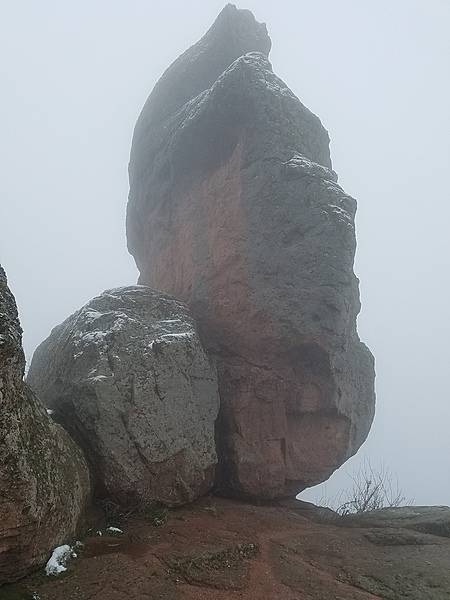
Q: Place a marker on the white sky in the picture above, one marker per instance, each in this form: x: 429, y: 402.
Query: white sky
x: 74, y: 78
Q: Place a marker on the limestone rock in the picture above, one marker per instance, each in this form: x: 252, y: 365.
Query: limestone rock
x: 127, y: 376
x: 235, y: 209
x: 44, y: 482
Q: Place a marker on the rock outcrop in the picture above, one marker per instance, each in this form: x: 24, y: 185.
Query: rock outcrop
x: 127, y: 376
x: 235, y: 209
x: 44, y: 482
x: 434, y: 520
x: 220, y: 549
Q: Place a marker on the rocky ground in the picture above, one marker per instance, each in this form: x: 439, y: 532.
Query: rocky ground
x: 221, y: 549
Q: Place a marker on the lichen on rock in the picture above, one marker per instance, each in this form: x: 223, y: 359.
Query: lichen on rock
x: 44, y: 480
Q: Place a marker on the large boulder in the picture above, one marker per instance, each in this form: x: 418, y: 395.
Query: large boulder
x: 235, y: 209
x: 44, y: 481
x: 127, y: 376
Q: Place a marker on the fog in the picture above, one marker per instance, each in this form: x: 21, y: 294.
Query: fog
x: 74, y: 78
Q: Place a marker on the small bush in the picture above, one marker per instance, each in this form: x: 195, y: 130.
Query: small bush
x: 372, y: 489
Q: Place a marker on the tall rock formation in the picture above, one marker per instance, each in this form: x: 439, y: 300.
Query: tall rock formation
x: 235, y: 209
x: 127, y: 376
x: 44, y: 482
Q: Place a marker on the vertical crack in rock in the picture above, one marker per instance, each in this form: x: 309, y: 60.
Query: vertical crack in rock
x: 235, y: 209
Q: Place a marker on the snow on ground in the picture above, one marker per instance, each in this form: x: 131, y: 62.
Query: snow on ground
x: 114, y: 530
x: 61, y: 555
x: 58, y: 560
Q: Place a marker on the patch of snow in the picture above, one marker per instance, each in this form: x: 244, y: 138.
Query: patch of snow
x: 335, y: 188
x: 114, y: 530
x: 168, y: 337
x: 58, y: 560
x: 274, y: 86
x: 170, y: 321
x: 121, y: 323
x: 97, y: 378
x: 91, y: 315
x: 340, y: 212
x: 301, y: 165
x: 185, y: 334
x: 93, y: 336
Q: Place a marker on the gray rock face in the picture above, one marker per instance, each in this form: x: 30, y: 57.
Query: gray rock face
x: 235, y: 209
x: 234, y: 33
x: 127, y: 376
x: 44, y: 481
x: 433, y: 520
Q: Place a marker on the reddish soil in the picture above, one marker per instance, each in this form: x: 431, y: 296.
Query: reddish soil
x: 221, y: 549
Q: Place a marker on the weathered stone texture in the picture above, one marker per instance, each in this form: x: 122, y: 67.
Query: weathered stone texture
x: 235, y: 209
x: 44, y: 482
x: 127, y: 376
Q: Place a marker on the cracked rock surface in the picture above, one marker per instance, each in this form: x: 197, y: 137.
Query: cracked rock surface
x: 127, y: 376
x: 235, y: 209
x: 44, y: 481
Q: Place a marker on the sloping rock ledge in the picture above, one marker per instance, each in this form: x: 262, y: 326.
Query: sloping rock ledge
x: 220, y: 549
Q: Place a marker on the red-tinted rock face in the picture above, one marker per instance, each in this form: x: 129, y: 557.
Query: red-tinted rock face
x: 44, y: 481
x: 234, y: 208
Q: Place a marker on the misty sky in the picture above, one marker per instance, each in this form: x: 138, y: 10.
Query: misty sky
x: 74, y: 78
